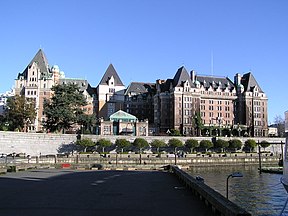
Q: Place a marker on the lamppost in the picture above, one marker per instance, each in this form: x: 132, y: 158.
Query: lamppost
x: 219, y: 119
x: 233, y: 175
x: 239, y: 130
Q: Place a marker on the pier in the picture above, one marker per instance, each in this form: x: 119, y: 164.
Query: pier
x: 75, y: 192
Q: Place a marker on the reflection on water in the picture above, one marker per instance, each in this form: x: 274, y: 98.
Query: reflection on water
x: 258, y: 194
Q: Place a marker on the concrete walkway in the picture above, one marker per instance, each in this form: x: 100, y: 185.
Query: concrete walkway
x: 123, y: 193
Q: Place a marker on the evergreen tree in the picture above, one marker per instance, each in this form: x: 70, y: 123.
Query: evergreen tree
x: 64, y: 109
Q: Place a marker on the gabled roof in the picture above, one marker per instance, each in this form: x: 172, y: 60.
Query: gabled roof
x: 91, y: 90
x: 249, y: 82
x: 121, y: 115
x: 215, y: 82
x: 42, y: 62
x: 140, y: 88
x: 108, y: 74
x: 181, y: 76
x: 165, y: 86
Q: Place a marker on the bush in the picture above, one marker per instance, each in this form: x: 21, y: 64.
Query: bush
x: 222, y: 144
x: 122, y: 144
x: 175, y: 143
x: 235, y: 144
x: 175, y: 132
x: 140, y: 143
x: 250, y: 144
x: 103, y: 143
x: 206, y: 144
x: 158, y: 144
x: 264, y: 144
x: 191, y: 144
x: 85, y: 143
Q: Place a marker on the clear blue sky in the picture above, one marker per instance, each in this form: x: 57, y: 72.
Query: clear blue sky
x: 148, y: 40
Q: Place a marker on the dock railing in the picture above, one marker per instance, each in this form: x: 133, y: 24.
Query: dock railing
x: 218, y: 203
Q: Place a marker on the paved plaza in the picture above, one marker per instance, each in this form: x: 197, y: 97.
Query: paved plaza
x: 69, y: 192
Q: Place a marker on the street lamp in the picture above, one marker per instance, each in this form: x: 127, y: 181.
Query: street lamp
x: 233, y: 175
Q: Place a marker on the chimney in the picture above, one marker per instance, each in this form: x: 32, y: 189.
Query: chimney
x: 237, y: 79
x: 192, y: 75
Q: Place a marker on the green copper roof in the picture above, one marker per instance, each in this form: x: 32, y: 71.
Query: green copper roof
x: 121, y: 115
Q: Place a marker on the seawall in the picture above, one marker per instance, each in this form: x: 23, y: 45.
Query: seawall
x: 35, y: 144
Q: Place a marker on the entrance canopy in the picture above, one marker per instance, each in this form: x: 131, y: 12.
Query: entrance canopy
x: 122, y: 116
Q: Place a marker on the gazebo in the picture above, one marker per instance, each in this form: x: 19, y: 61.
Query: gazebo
x: 123, y: 123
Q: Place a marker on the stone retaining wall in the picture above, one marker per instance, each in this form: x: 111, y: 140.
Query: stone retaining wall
x: 35, y: 144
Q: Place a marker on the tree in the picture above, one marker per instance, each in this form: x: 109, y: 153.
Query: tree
x: 206, y: 144
x: 264, y: 144
x: 3, y: 123
x: 175, y: 143
x: 85, y: 143
x: 122, y: 144
x: 198, y: 123
x: 140, y: 143
x: 222, y: 144
x: 20, y: 112
x: 87, y: 122
x: 280, y: 125
x: 250, y: 144
x: 64, y: 108
x: 157, y: 144
x: 191, y: 144
x: 103, y: 143
x: 235, y: 144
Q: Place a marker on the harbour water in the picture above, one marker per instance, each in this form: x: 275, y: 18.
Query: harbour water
x: 259, y: 194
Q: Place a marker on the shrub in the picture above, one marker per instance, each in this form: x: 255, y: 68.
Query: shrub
x: 158, y: 144
x: 175, y: 132
x: 235, y: 144
x: 222, y: 144
x: 206, y: 144
x: 264, y: 144
x: 191, y: 144
x: 140, y: 143
x: 250, y: 144
x: 103, y: 143
x: 85, y: 143
x: 122, y: 144
x: 175, y: 143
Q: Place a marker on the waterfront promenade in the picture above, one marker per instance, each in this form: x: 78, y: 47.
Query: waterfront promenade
x: 72, y: 192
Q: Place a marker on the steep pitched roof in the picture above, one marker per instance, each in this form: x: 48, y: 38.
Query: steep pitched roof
x: 140, y: 88
x: 108, y: 74
x: 215, y: 82
x: 121, y: 115
x: 181, y: 76
x: 42, y: 62
x: 249, y: 82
